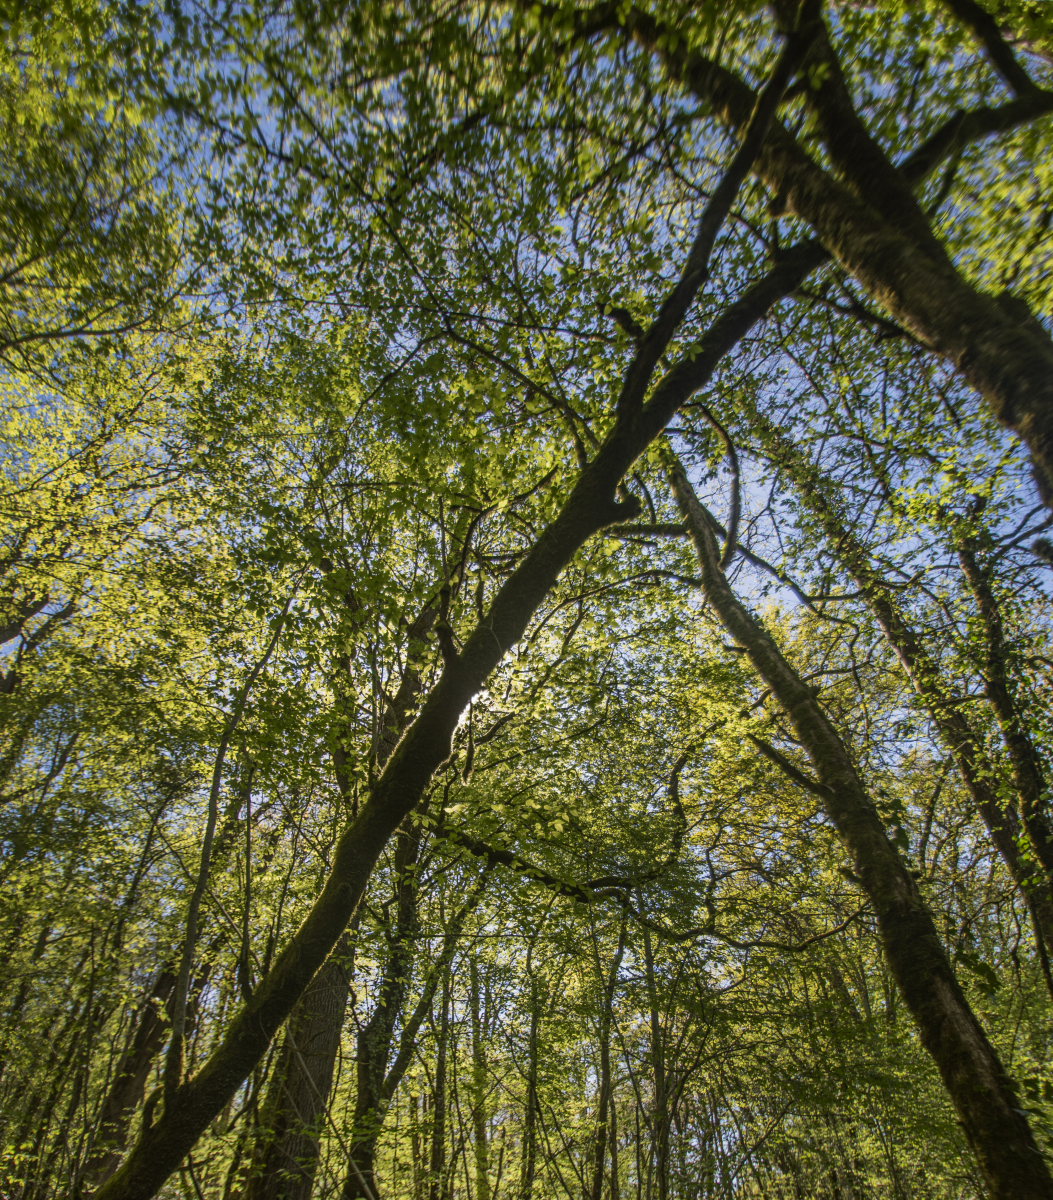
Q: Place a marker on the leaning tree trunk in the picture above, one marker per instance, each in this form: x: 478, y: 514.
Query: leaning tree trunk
x: 427, y: 741
x: 979, y: 1087
x: 923, y: 671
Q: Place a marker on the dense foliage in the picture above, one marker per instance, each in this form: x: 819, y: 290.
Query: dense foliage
x: 525, y: 660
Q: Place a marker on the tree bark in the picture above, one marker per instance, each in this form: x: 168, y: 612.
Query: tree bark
x: 374, y: 1039
x: 601, y: 1136
x: 371, y: 1107
x: 1023, y: 753
x: 479, y: 1105
x: 660, y: 1119
x: 529, y: 1154
x: 129, y: 1083
x: 438, y: 1186
x: 302, y: 1080
x: 979, y: 1087
x: 616, y: 1189
x: 308, y: 1079
x: 173, y: 1066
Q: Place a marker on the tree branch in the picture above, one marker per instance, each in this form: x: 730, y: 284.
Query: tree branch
x: 983, y: 25
x: 755, y: 944
x: 653, y: 343
x: 788, y: 769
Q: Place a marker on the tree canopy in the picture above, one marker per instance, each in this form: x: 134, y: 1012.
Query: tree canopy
x: 525, y: 634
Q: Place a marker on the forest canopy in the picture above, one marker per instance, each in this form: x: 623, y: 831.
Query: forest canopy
x: 525, y: 631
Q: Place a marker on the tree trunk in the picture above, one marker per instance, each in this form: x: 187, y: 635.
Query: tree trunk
x: 1023, y: 753
x: 375, y: 1037
x: 980, y: 1089
x: 601, y: 1136
x: 976, y: 771
x: 420, y: 1116
x: 301, y: 1082
x: 479, y: 1099
x: 660, y: 1117
x: 526, y: 1185
x: 313, y: 1075
x: 612, y: 1121
x: 129, y: 1083
x: 371, y: 1105
x: 438, y: 1187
